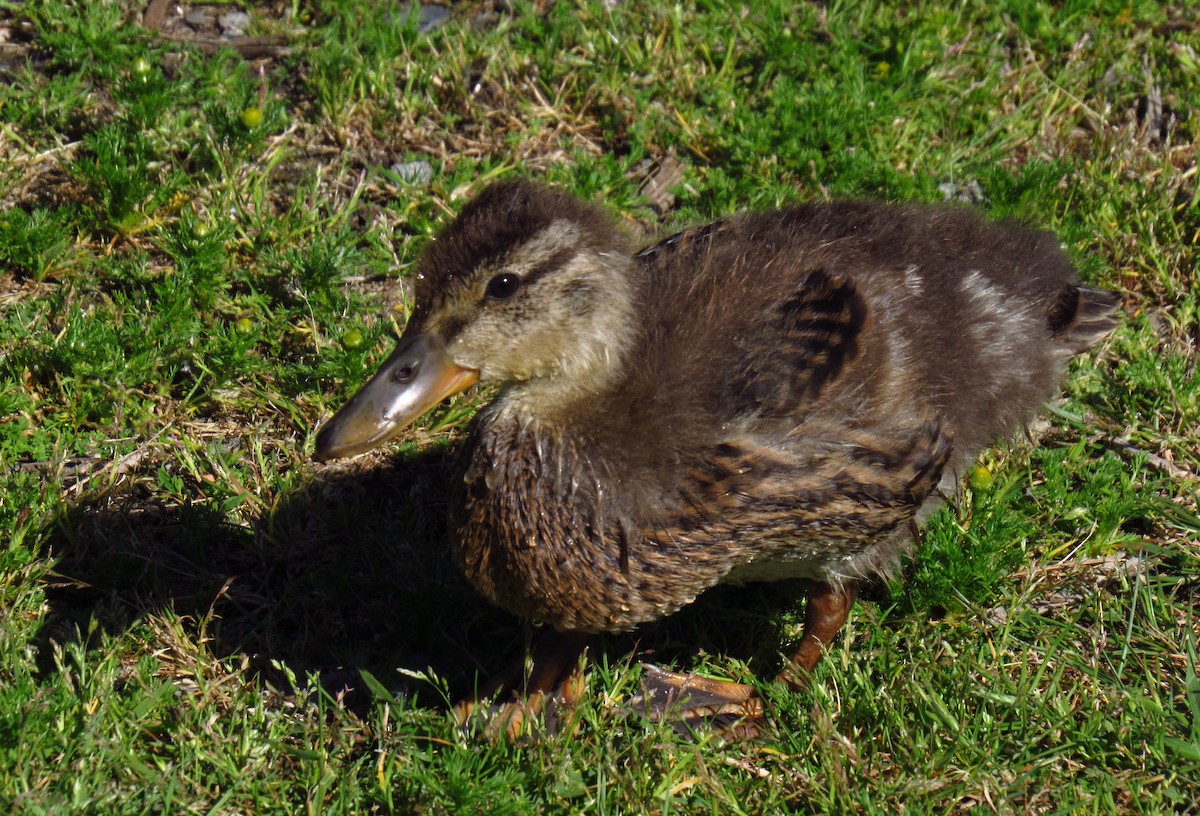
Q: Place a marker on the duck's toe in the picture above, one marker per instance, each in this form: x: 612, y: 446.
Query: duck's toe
x: 526, y: 699
x: 693, y: 705
x: 520, y: 718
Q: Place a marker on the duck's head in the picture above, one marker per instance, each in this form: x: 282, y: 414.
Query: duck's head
x: 528, y: 288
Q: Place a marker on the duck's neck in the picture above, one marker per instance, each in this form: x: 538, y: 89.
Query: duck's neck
x: 596, y: 352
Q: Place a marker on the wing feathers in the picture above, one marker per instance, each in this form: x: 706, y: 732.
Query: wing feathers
x: 813, y: 336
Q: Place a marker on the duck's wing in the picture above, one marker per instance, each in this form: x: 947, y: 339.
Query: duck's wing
x: 806, y: 342
x: 790, y: 469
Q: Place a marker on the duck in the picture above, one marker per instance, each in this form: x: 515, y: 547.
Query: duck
x: 771, y: 396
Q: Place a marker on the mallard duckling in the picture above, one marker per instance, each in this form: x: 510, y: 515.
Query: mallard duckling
x: 771, y: 396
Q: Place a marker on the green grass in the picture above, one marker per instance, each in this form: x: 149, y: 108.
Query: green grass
x: 197, y: 618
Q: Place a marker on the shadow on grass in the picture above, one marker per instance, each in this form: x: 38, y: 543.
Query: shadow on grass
x: 352, y: 571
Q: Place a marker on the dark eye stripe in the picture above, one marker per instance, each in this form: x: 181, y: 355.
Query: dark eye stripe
x: 554, y: 261
x: 496, y: 290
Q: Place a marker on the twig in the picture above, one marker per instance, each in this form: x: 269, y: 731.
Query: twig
x: 248, y: 47
x: 156, y: 12
x: 1152, y: 459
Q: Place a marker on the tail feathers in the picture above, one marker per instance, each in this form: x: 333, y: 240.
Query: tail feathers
x: 1083, y: 317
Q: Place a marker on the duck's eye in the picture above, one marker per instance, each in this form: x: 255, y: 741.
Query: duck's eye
x: 503, y: 286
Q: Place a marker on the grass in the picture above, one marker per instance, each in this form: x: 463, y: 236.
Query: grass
x: 203, y: 253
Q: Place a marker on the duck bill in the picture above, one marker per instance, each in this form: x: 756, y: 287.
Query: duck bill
x: 417, y: 376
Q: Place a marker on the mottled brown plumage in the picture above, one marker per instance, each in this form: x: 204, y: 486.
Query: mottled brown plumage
x: 770, y: 396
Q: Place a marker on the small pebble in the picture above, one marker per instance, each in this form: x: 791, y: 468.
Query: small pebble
x: 970, y: 192
x: 233, y: 23
x: 196, y: 18
x: 431, y: 17
x: 413, y: 172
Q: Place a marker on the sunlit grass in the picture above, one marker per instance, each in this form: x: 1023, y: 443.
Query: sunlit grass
x: 201, y: 256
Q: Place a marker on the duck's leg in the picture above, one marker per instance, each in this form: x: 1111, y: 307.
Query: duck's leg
x: 824, y: 616
x: 549, y: 685
x: 734, y: 710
